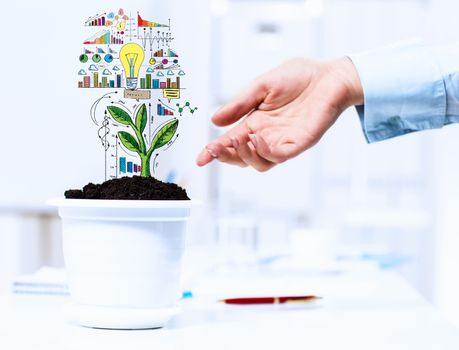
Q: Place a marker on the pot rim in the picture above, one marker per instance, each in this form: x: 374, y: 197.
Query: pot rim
x: 121, y: 203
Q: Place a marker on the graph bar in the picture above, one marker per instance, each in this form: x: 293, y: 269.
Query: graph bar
x: 112, y: 83
x: 162, y: 85
x: 118, y: 80
x: 104, y: 82
x: 148, y: 81
x: 178, y: 82
x: 142, y: 83
x: 123, y: 165
x: 129, y: 167
x: 95, y: 79
x: 86, y: 82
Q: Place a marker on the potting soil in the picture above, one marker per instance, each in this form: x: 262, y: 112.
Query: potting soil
x: 130, y: 188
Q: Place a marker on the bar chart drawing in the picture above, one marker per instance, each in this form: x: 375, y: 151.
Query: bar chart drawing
x: 144, y: 23
x: 105, y: 37
x: 165, y: 53
x: 161, y: 110
x: 127, y: 167
x: 96, y: 21
x: 94, y: 81
x: 148, y: 83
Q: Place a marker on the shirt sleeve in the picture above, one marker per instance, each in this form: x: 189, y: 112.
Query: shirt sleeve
x: 407, y: 88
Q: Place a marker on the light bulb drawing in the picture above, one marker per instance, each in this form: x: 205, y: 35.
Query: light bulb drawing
x: 131, y: 57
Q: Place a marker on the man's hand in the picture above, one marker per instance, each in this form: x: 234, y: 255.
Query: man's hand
x: 283, y: 113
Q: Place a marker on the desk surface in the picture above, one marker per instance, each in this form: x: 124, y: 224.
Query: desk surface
x: 359, y: 311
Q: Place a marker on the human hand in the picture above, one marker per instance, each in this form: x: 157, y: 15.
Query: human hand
x: 283, y: 113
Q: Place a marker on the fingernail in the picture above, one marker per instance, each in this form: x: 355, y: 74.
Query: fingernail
x: 253, y: 138
x: 235, y: 142
x: 211, y: 152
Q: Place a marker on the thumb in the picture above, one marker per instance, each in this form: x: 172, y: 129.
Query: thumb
x: 241, y: 105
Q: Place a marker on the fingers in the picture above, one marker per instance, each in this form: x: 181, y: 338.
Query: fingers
x: 205, y: 157
x: 249, y: 155
x: 223, y: 154
x: 241, y: 149
x: 222, y: 147
x: 241, y: 105
x: 251, y: 150
x: 275, y: 154
x: 239, y: 131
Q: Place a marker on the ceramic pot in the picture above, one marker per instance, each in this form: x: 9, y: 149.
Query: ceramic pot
x: 123, y: 260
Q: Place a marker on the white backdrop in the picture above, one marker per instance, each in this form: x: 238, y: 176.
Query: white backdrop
x: 48, y: 141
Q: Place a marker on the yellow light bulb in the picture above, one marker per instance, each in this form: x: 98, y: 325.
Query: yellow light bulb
x: 131, y: 57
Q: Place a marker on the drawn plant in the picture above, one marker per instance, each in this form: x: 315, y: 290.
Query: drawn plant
x: 137, y: 142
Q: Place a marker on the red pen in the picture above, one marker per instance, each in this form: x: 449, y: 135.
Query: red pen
x: 271, y: 300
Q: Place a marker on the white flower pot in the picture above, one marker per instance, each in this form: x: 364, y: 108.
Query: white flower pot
x: 123, y: 260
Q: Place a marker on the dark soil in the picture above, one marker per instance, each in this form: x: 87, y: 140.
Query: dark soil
x: 130, y: 188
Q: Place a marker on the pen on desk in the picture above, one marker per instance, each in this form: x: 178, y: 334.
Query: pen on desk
x: 271, y: 300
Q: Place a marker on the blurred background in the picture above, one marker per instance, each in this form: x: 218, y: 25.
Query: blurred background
x: 391, y: 205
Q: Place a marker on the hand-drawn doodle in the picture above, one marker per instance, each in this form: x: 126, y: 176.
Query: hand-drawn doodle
x: 150, y: 72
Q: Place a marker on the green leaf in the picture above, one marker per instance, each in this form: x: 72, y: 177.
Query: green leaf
x: 129, y: 141
x: 165, y: 134
x: 120, y: 115
x: 141, y: 118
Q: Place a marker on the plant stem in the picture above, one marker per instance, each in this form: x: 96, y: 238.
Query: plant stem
x: 144, y: 156
x: 143, y: 147
x: 145, y: 165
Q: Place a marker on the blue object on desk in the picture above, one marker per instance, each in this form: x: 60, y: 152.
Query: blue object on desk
x: 384, y: 261
x: 187, y: 294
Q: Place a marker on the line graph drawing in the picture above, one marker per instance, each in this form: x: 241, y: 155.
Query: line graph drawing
x: 148, y: 37
x: 181, y: 109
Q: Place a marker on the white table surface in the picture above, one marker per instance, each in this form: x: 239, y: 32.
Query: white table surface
x: 359, y: 311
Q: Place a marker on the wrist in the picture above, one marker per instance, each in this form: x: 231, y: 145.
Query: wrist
x: 347, y: 74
